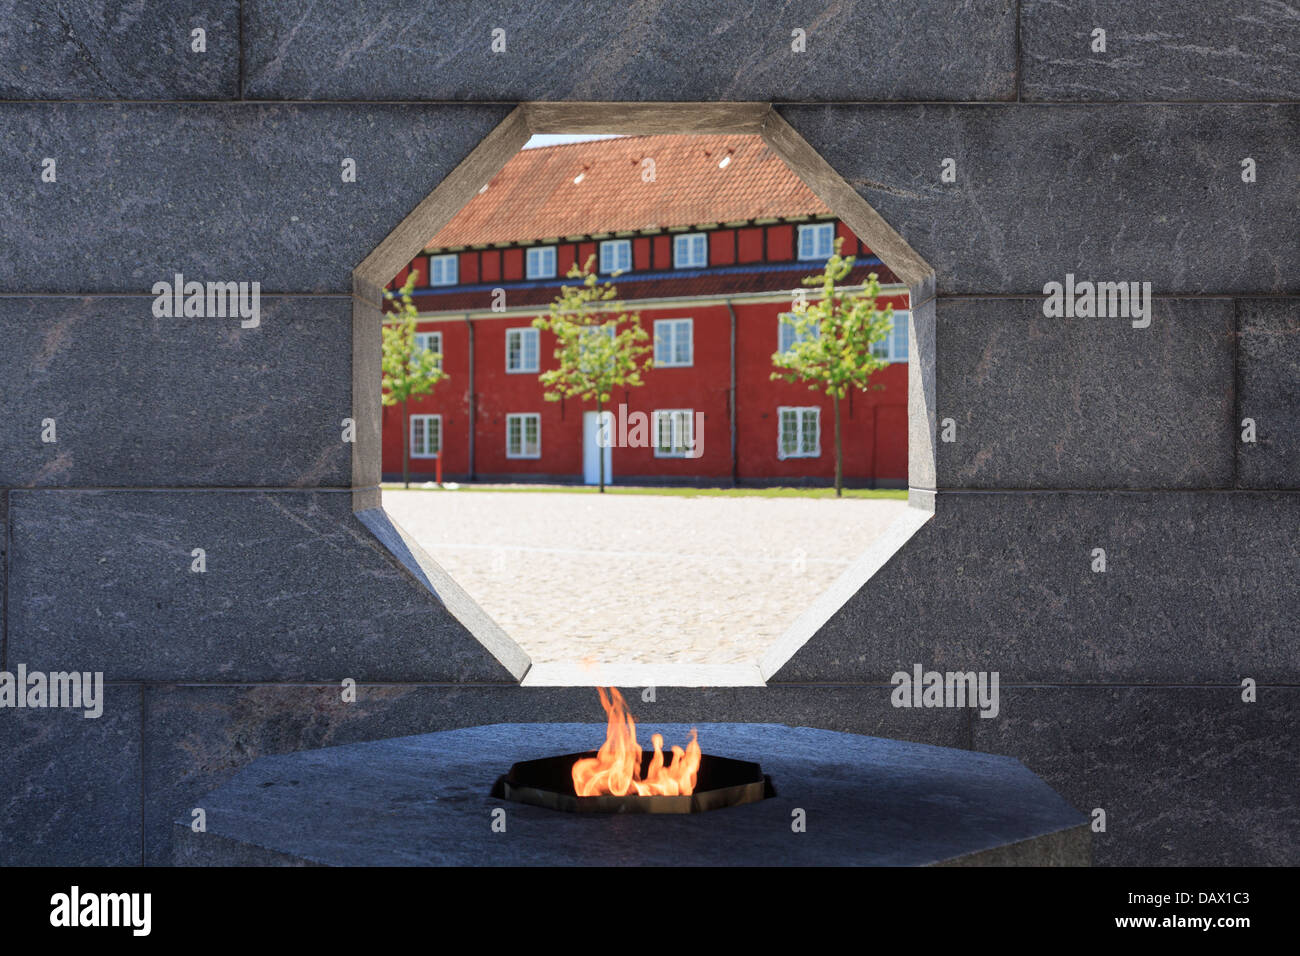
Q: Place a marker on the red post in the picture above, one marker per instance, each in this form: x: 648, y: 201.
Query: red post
x: 437, y: 468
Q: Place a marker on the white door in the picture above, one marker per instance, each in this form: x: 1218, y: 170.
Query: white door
x: 596, y: 440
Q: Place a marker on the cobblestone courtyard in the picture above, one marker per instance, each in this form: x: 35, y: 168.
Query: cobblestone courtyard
x: 585, y: 578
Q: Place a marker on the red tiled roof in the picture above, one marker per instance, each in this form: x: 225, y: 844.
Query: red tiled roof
x: 632, y: 289
x: 535, y: 195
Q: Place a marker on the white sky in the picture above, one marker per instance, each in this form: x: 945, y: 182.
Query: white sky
x: 556, y: 139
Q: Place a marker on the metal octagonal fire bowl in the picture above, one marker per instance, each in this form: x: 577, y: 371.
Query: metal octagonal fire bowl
x: 548, y: 782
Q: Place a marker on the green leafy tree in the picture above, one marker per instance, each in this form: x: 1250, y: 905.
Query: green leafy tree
x: 833, y: 338
x: 599, y: 346
x: 408, y: 370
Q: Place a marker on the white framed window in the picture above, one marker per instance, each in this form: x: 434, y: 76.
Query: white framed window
x: 674, y: 432
x: 799, y: 432
x: 893, y: 347
x: 521, y: 350
x: 426, y: 436
x: 524, y: 435
x: 615, y: 256
x: 443, y: 270
x: 540, y: 263
x: 430, y: 342
x: 788, y: 332
x: 690, y: 250
x: 674, y: 343
x: 816, y: 240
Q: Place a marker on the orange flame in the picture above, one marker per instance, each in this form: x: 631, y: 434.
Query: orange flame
x: 616, y: 768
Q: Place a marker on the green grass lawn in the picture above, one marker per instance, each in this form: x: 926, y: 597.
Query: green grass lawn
x: 897, y: 494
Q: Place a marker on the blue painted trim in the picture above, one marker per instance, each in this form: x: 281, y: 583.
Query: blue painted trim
x: 634, y: 277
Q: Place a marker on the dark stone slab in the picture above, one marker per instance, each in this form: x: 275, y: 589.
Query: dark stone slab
x: 1085, y: 403
x: 1199, y: 588
x: 198, y: 737
x: 1126, y: 192
x: 253, y: 192
x: 1186, y: 775
x: 4, y: 570
x: 118, y: 50
x: 1238, y: 50
x: 231, y: 193
x: 1065, y: 848
x: 424, y: 801
x: 141, y: 401
x: 1268, y: 383
x: 70, y: 792
x: 676, y: 50
x: 296, y: 588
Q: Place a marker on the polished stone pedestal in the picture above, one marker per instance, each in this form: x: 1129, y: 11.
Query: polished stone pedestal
x: 425, y: 800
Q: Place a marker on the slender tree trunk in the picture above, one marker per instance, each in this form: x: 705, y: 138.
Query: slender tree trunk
x: 406, y: 441
x: 839, y: 453
x: 600, y: 449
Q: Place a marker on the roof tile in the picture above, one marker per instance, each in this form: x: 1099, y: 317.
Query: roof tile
x: 581, y: 189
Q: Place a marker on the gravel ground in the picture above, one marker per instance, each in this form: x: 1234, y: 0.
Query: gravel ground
x: 640, y: 578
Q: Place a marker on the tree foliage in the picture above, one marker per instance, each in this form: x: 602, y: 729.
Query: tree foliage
x: 833, y: 334
x: 833, y: 339
x: 599, y: 346
x: 407, y: 369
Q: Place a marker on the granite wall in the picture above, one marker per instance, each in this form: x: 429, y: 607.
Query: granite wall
x: 1122, y: 688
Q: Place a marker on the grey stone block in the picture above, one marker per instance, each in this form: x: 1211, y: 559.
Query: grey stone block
x: 1064, y: 848
x: 1199, y: 588
x: 677, y: 50
x: 143, y: 401
x: 922, y: 389
x: 4, y: 572
x: 1085, y: 403
x: 1186, y: 775
x: 70, y: 791
x: 425, y: 801
x: 296, y: 588
x: 198, y: 737
x: 1127, y: 192
x: 455, y: 600
x: 235, y: 192
x: 1239, y: 50
x: 1268, y: 384
x: 119, y: 50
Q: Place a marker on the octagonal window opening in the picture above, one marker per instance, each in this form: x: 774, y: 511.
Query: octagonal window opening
x: 676, y: 530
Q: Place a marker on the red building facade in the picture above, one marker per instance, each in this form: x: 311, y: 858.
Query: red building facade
x: 707, y: 237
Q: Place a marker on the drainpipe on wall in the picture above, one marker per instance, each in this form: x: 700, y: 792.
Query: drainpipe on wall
x: 735, y: 467
x: 472, y: 423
